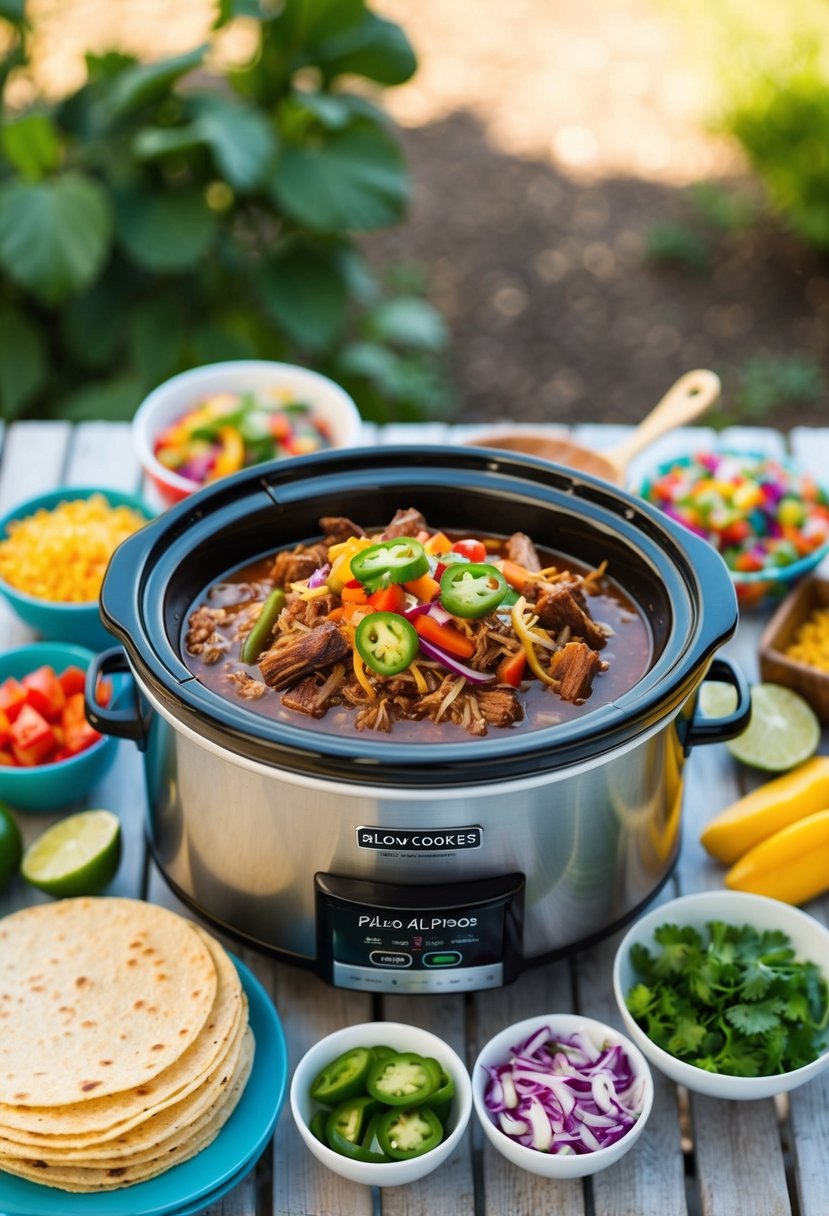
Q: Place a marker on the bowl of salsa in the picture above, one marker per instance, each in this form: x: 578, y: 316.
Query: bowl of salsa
x: 215, y: 420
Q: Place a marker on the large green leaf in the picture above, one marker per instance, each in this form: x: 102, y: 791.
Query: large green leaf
x: 146, y: 83
x: 23, y: 361
x: 157, y: 338
x: 165, y: 232
x: 114, y: 400
x: 351, y: 180
x: 375, y: 48
x: 408, y: 321
x: 304, y: 291
x: 307, y: 23
x: 241, y: 140
x: 55, y: 235
x: 93, y: 326
x: 32, y: 145
x: 13, y: 10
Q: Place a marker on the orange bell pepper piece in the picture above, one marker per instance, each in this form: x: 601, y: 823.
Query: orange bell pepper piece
x: 425, y: 588
x: 511, y: 669
x: 447, y: 637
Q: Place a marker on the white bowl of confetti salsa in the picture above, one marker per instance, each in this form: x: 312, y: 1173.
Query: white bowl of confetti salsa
x: 767, y: 517
x: 562, y: 1095
x: 725, y: 992
x: 54, y: 550
x: 214, y: 420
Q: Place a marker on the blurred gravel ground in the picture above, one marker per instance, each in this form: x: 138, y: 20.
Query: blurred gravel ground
x: 546, y: 139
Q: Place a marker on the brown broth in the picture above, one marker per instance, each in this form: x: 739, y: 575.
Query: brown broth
x: 627, y: 653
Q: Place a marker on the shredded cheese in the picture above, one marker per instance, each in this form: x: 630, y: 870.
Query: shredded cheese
x: 419, y: 678
x: 527, y: 639
x: 360, y: 673
x: 811, y: 642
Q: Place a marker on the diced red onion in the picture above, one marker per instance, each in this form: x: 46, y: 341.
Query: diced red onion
x: 450, y: 662
x: 319, y: 576
x: 564, y: 1095
x: 416, y: 610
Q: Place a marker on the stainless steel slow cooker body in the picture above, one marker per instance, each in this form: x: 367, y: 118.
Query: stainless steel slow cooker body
x: 424, y: 867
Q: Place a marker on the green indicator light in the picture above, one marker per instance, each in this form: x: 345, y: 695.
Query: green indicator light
x: 449, y: 959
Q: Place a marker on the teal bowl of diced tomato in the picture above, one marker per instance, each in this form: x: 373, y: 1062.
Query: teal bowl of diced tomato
x: 768, y: 517
x: 49, y: 754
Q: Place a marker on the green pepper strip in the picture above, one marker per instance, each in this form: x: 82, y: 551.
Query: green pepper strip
x: 254, y: 643
x: 386, y: 642
x: 391, y: 561
x: 403, y: 1134
x: 346, y: 1129
x: 473, y: 590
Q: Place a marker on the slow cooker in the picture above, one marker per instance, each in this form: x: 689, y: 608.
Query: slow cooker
x: 425, y: 867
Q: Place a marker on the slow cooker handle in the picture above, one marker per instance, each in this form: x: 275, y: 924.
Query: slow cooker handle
x: 717, y: 730
x: 122, y: 723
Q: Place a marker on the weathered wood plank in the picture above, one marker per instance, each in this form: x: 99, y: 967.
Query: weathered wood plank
x: 738, y: 1158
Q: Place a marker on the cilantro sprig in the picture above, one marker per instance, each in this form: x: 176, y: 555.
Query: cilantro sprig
x: 733, y: 1000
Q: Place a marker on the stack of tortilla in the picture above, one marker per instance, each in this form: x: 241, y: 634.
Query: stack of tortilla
x: 124, y: 1042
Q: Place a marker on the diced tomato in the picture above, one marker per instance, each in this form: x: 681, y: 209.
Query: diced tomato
x: 7, y: 759
x: 511, y: 669
x: 475, y: 550
x: 5, y: 728
x: 73, y: 710
x: 33, y: 739
x: 12, y: 697
x: 44, y: 692
x: 79, y: 736
x: 388, y: 599
x: 103, y: 694
x: 72, y: 680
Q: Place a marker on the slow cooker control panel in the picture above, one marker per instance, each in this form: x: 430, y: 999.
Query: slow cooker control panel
x: 386, y: 937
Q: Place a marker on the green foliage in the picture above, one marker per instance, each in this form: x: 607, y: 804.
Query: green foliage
x: 769, y: 382
x: 781, y: 118
x: 730, y: 1000
x: 679, y: 245
x: 161, y: 217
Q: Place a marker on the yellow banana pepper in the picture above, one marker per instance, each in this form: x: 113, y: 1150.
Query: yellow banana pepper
x: 792, y: 865
x: 767, y: 810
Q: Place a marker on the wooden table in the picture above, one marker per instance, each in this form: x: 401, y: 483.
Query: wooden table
x: 697, y: 1156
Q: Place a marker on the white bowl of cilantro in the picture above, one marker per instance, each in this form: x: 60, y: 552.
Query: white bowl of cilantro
x: 726, y: 993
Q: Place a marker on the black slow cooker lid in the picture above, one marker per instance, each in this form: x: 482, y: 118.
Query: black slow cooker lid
x: 679, y: 581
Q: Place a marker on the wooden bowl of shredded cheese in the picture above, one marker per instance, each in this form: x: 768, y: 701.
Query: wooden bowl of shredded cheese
x: 54, y: 551
x: 794, y: 649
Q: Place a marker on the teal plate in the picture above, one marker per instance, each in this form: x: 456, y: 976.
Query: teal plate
x: 195, y: 1184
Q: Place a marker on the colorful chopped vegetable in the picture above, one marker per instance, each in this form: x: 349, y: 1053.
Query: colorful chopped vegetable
x: 730, y: 999
x: 387, y: 1105
x: 230, y: 431
x: 472, y: 589
x: 564, y: 1094
x: 392, y: 561
x: 386, y: 642
x: 761, y: 514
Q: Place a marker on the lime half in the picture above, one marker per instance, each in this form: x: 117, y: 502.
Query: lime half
x: 783, y: 731
x: 716, y: 699
x: 11, y: 845
x: 77, y: 856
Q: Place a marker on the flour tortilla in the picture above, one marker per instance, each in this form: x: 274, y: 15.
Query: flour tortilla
x: 79, y: 1179
x: 81, y: 1125
x: 97, y: 996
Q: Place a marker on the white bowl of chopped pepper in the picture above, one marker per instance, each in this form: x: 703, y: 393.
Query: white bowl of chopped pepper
x: 726, y: 993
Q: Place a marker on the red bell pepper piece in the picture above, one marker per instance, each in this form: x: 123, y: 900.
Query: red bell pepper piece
x: 33, y: 739
x: 447, y: 637
x: 511, y: 669
x: 44, y: 692
x: 388, y: 599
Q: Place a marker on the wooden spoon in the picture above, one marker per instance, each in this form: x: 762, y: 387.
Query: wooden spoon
x: 689, y: 398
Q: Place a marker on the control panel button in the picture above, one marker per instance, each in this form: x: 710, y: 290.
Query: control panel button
x: 390, y: 958
x: 442, y: 958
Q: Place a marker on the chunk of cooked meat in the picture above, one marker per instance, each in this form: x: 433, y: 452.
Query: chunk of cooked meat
x: 407, y: 522
x: 499, y: 706
x: 576, y: 666
x: 558, y: 608
x: 294, y: 565
x: 338, y: 528
x: 308, y: 612
x: 305, y: 698
x: 521, y: 550
x: 295, y: 656
x: 374, y: 716
x: 202, y: 637
x: 246, y: 687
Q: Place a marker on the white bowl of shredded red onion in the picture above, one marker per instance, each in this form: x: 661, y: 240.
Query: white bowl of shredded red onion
x: 562, y: 1095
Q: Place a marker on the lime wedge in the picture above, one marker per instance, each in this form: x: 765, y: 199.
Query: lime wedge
x: 783, y: 731
x: 77, y: 856
x: 11, y: 845
x: 716, y: 700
